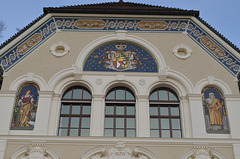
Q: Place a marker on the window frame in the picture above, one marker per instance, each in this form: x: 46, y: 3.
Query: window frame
x: 167, y: 104
x: 71, y: 103
x: 120, y: 103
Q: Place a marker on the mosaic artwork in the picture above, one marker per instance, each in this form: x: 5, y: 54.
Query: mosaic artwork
x: 120, y: 57
x: 25, y: 108
x: 195, y: 32
x: 214, y: 111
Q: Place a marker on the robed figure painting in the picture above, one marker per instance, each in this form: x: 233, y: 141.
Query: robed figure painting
x: 214, y: 111
x: 25, y: 108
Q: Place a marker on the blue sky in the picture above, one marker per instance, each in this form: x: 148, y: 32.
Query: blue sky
x: 223, y: 15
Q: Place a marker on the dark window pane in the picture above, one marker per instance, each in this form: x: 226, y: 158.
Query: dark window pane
x: 73, y: 132
x: 120, y: 94
x: 86, y: 95
x: 130, y: 122
x: 111, y: 95
x: 108, y: 122
x: 154, y: 123
x: 172, y: 97
x: 131, y: 133
x: 63, y: 132
x: 129, y: 96
x: 164, y: 111
x: 153, y: 111
x: 119, y: 122
x: 174, y: 111
x: 108, y: 132
x: 130, y: 110
x: 165, y: 124
x: 76, y: 109
x: 165, y: 133
x: 163, y: 95
x: 176, y: 133
x: 154, y: 96
x: 77, y: 93
x: 74, y: 122
x: 64, y: 121
x: 68, y: 95
x: 119, y: 132
x: 154, y: 133
x: 175, y: 123
x: 119, y: 110
x: 85, y: 123
x: 85, y: 132
x: 86, y: 109
x: 65, y: 109
x: 109, y: 110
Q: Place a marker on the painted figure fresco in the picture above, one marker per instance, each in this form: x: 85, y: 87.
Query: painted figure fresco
x: 214, y: 111
x: 25, y: 108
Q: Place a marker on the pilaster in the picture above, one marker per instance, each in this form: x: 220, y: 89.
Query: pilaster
x: 142, y: 116
x: 7, y: 99
x: 43, y: 113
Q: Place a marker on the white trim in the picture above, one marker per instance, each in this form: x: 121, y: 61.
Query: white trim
x: 182, y: 46
x: 53, y: 49
x: 26, y: 78
x: 215, y: 82
x: 88, y: 154
x: 145, y: 152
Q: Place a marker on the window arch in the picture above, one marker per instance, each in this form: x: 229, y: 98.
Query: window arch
x: 75, y: 112
x: 164, y: 114
x: 120, y: 113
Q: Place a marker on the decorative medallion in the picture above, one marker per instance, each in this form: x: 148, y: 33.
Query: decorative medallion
x: 142, y: 82
x: 120, y: 152
x: 99, y: 81
x: 120, y: 57
x: 214, y: 111
x: 25, y: 109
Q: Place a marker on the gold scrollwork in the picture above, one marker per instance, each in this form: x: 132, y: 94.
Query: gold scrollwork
x: 29, y: 43
x: 159, y: 25
x: 213, y: 47
x: 89, y: 24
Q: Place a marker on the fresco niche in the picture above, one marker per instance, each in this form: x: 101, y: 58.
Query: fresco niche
x: 120, y: 57
x: 25, y: 108
x: 214, y: 108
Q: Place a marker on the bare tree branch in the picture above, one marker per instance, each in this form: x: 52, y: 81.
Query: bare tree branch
x: 2, y: 27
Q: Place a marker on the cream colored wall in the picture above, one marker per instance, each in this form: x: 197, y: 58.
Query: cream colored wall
x: 69, y: 149
x: 44, y: 64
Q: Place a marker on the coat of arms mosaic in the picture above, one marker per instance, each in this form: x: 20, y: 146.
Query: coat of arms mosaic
x: 120, y: 57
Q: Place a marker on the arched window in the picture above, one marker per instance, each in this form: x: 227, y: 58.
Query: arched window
x: 1, y: 77
x: 75, y: 112
x: 164, y: 114
x: 120, y: 113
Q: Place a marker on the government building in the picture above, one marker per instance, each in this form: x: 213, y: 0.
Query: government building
x: 119, y: 80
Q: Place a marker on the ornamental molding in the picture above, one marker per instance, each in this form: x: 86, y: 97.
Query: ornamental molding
x: 182, y: 47
x: 192, y: 27
x: 120, y: 151
x: 34, y: 151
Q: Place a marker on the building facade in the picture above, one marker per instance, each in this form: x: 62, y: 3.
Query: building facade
x: 119, y: 80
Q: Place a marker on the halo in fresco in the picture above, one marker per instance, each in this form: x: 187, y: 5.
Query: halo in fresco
x: 25, y: 108
x: 120, y: 57
x: 214, y: 108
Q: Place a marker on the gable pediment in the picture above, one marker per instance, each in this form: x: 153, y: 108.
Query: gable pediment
x: 189, y: 26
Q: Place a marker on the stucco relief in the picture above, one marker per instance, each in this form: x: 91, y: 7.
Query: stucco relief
x: 120, y: 152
